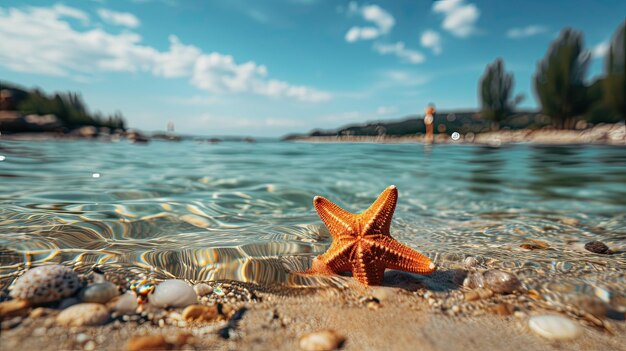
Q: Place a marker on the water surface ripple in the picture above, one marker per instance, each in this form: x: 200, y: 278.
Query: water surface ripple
x: 244, y: 211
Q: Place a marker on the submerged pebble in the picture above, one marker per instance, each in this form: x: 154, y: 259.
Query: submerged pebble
x: 597, y: 247
x: 46, y: 284
x: 470, y: 262
x: 501, y: 282
x: 554, y: 327
x: 99, y: 292
x: 324, y: 340
x: 83, y: 314
x: 173, y: 293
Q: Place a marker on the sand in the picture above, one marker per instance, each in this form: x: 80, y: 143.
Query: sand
x: 405, y: 315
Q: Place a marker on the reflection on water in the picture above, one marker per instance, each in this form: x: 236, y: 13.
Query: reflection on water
x: 244, y: 211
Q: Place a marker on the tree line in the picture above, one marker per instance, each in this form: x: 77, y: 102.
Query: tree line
x: 68, y: 107
x: 560, y: 84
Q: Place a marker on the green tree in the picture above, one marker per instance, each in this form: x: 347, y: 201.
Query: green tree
x: 496, y: 90
x: 559, y: 80
x: 615, y: 80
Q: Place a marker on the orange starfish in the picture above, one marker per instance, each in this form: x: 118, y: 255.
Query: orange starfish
x: 362, y: 243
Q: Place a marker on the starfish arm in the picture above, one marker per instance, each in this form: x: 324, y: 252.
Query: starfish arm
x: 335, y: 260
x: 337, y: 220
x: 365, y: 267
x: 377, y: 218
x: 395, y: 255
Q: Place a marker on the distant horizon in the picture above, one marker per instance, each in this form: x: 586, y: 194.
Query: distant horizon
x: 277, y: 67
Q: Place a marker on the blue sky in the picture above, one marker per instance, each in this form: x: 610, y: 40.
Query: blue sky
x: 271, y: 67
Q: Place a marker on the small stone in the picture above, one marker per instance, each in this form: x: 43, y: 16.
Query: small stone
x: 478, y: 294
x: 503, y: 309
x: 148, y: 342
x: 324, y: 340
x: 70, y: 301
x: 173, y: 293
x: 124, y: 304
x: 570, y: 221
x: 39, y: 312
x: 13, y: 308
x: 591, y: 305
x: 474, y: 280
x: 470, y: 262
x: 82, y: 338
x: 456, y: 308
x: 200, y: 313
x: 501, y: 282
x: 89, y: 345
x: 533, y: 244
x: 46, y: 284
x: 202, y: 289
x: 554, y: 327
x: 83, y: 314
x: 99, y: 292
x: 597, y: 247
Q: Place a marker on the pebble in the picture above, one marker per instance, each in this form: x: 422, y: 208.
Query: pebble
x: 148, y: 342
x: 503, y: 309
x: 46, y: 284
x: 124, y: 304
x: 202, y: 289
x: 478, y: 294
x: 591, y: 305
x: 82, y: 338
x: 173, y: 293
x: 501, y: 282
x: 83, y: 314
x: 200, y: 313
x: 470, y: 262
x: 99, y: 292
x: 89, y: 346
x: 474, y: 280
x: 14, y: 308
x: 70, y: 301
x: 554, y: 327
x: 533, y: 244
x: 324, y: 340
x: 597, y: 247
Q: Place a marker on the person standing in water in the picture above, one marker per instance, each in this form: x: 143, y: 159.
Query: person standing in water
x: 429, y: 121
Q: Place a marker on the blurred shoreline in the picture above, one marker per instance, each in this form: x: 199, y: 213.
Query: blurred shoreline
x: 602, y: 134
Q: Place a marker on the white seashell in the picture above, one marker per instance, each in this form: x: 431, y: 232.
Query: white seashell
x: 125, y: 304
x: 554, y: 327
x: 99, y: 292
x: 83, y: 314
x: 173, y: 293
x: 46, y: 284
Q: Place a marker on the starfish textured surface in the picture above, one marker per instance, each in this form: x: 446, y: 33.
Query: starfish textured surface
x: 362, y: 243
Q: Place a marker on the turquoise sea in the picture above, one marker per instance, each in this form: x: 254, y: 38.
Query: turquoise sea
x: 243, y: 211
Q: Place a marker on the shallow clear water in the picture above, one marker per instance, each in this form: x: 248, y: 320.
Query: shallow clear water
x: 244, y: 211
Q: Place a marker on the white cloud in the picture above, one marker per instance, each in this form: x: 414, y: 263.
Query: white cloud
x: 432, y: 40
x: 528, y: 31
x: 38, y: 40
x: 119, y: 18
x: 386, y: 110
x: 382, y: 22
x: 398, y: 49
x: 600, y: 50
x: 459, y: 18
